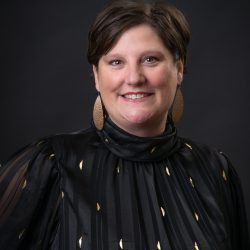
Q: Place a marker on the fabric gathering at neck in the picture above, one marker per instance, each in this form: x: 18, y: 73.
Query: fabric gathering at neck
x: 132, y: 147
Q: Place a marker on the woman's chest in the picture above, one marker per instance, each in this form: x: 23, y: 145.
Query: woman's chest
x: 109, y: 203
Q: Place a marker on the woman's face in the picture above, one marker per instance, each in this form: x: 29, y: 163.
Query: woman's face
x: 137, y: 80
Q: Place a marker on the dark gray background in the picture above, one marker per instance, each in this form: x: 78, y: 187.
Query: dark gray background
x: 46, y: 88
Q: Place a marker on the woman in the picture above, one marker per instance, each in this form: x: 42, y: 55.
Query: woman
x: 127, y: 182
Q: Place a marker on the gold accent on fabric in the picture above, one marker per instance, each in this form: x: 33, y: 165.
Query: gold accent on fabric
x: 163, y: 211
x: 98, y: 117
x: 224, y: 175
x: 189, y: 146
x: 191, y: 181
x: 21, y: 234
x: 80, y: 242
x: 62, y: 194
x: 121, y: 244
x: 51, y: 156
x: 152, y: 150
x: 158, y: 245
x: 168, y: 172
x: 24, y: 184
x: 98, y: 207
x: 81, y: 165
x: 196, y: 246
x: 119, y: 165
x: 39, y: 143
x: 196, y: 216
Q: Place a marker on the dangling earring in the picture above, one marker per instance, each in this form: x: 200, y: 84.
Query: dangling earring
x: 98, y: 114
x: 177, y: 106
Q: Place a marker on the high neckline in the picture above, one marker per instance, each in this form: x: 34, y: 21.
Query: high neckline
x: 136, y: 148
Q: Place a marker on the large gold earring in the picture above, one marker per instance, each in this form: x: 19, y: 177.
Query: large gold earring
x: 178, y: 106
x: 98, y: 116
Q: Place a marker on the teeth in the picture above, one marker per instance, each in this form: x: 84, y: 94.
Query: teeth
x: 135, y: 96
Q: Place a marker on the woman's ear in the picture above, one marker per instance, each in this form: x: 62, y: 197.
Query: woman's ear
x: 95, y: 73
x: 180, y: 70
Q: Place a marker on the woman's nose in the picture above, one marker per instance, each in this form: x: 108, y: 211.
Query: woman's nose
x: 134, y: 75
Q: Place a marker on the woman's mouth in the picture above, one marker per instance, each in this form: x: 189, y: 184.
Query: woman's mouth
x: 134, y: 96
x: 138, y: 97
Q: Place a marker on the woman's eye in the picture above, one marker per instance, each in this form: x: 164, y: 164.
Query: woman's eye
x: 150, y: 59
x: 115, y: 62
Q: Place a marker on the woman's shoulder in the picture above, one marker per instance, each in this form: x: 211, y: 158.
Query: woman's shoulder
x: 73, y: 138
x: 70, y: 145
x: 203, y: 151
x: 199, y: 146
x: 38, y: 163
x: 205, y: 159
x: 50, y: 148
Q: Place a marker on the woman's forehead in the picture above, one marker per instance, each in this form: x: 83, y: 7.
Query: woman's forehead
x: 138, y: 37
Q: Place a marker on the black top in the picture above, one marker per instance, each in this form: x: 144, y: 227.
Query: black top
x: 110, y: 190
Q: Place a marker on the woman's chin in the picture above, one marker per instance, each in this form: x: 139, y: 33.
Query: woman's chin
x: 138, y: 119
x: 140, y: 123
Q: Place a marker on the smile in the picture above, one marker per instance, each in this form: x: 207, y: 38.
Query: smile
x: 135, y: 96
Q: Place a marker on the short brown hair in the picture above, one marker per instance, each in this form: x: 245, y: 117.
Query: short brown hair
x: 120, y: 15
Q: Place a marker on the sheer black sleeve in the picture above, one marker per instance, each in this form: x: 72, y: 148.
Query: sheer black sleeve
x: 234, y: 207
x: 29, y: 198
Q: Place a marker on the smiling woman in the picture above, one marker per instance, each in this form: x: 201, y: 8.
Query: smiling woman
x: 129, y: 181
